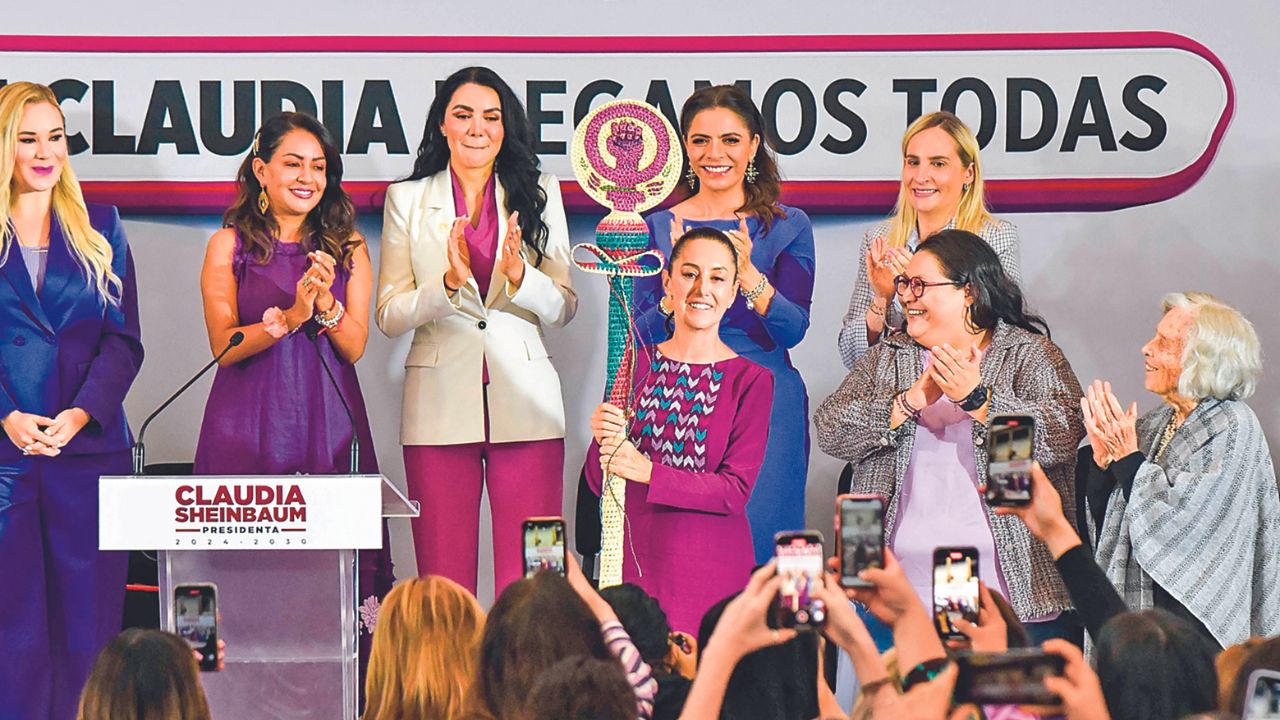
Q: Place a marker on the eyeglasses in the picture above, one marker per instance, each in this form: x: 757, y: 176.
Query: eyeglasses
x: 917, y: 285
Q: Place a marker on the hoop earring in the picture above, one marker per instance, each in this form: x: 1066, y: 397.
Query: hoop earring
x: 664, y: 307
x: 969, y: 325
x: 751, y: 172
x: 691, y: 178
x: 263, y: 203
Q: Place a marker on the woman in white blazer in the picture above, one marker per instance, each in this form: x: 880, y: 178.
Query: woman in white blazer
x: 475, y: 261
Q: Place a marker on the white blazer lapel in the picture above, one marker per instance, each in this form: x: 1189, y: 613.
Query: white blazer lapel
x: 498, y: 282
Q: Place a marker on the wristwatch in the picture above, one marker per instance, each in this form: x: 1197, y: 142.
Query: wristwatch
x: 975, y: 400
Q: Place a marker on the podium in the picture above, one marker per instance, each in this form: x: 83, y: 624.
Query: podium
x: 282, y: 552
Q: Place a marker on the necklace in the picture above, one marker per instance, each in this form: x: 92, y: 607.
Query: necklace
x: 1169, y: 430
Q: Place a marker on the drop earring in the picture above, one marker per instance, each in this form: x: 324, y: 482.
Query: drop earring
x: 691, y: 178
x: 751, y: 172
x: 263, y: 203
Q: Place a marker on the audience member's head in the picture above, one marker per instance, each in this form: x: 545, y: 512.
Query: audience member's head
x: 778, y: 682
x: 1263, y: 655
x: 1154, y: 665
x: 144, y: 675
x: 425, y: 650
x: 644, y: 620
x: 581, y: 688
x: 535, y: 623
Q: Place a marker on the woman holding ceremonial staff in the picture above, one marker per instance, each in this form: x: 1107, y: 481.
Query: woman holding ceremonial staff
x: 475, y: 262
x: 70, y: 348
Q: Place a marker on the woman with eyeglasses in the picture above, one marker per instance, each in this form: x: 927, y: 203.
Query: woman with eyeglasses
x: 911, y: 418
x: 942, y: 188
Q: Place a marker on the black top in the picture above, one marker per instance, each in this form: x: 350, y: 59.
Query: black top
x: 1091, y: 592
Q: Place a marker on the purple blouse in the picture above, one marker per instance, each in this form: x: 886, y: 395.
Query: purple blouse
x: 482, y: 240
x: 940, y: 505
x: 687, y: 541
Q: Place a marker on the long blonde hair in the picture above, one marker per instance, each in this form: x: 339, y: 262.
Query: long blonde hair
x: 426, y: 646
x: 90, y: 248
x: 972, y: 213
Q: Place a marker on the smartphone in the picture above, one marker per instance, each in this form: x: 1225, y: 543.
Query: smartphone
x: 1009, y: 678
x: 859, y: 536
x: 1262, y: 696
x: 800, y: 559
x: 1010, y: 443
x: 955, y: 588
x: 543, y: 545
x: 195, y: 619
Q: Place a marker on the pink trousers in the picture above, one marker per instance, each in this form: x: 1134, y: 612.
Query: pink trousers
x: 525, y: 479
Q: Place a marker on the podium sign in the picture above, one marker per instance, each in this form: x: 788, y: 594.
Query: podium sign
x: 243, y: 512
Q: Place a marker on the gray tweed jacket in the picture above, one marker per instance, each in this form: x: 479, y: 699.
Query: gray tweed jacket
x: 1028, y: 375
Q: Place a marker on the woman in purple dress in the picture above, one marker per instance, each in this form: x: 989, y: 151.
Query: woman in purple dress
x: 290, y: 257
x: 694, y: 447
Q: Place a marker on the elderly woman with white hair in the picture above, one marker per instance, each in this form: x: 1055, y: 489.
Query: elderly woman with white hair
x: 1183, y: 501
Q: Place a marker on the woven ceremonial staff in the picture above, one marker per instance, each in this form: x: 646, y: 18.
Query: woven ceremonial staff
x: 627, y: 157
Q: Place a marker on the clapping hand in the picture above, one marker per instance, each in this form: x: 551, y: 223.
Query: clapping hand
x: 884, y: 264
x: 458, y: 255
x: 1110, y: 428
x: 511, y: 262
x: 956, y: 372
x: 741, y: 239
x: 319, y: 278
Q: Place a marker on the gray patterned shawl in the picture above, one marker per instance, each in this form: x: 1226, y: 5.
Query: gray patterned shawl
x: 1203, y: 522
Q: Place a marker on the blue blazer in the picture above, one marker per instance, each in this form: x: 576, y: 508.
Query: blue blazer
x: 69, y: 347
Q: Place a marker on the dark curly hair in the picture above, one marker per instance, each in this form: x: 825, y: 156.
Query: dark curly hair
x: 331, y: 224
x: 967, y: 259
x: 517, y: 165
x: 644, y: 620
x: 761, y: 195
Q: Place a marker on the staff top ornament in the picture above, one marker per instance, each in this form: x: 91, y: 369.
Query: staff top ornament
x: 626, y: 156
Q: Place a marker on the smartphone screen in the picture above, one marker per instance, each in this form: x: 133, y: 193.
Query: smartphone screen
x: 860, y: 524
x: 800, y: 560
x: 195, y: 611
x: 1010, y: 444
x: 955, y: 588
x: 1010, y: 678
x: 543, y: 545
x: 1262, y: 698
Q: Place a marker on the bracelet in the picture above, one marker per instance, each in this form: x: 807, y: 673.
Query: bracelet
x: 754, y: 293
x: 910, y: 410
x: 273, y: 321
x: 447, y: 289
x: 924, y: 672
x: 877, y: 311
x: 331, y: 321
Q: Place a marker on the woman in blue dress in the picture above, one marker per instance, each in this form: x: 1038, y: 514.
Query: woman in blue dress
x: 733, y: 186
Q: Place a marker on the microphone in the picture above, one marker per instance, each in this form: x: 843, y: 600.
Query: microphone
x: 140, y: 450
x: 313, y: 332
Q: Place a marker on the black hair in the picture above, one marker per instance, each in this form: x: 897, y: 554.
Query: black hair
x: 331, y: 224
x: 644, y: 620
x: 581, y: 688
x: 677, y: 248
x: 517, y: 165
x: 1154, y: 665
x: 775, y: 683
x: 534, y: 623
x: 967, y: 259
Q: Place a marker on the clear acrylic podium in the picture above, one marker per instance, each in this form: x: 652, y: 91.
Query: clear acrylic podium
x: 288, y: 615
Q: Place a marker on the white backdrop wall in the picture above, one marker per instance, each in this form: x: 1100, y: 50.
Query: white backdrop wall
x: 1097, y: 277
